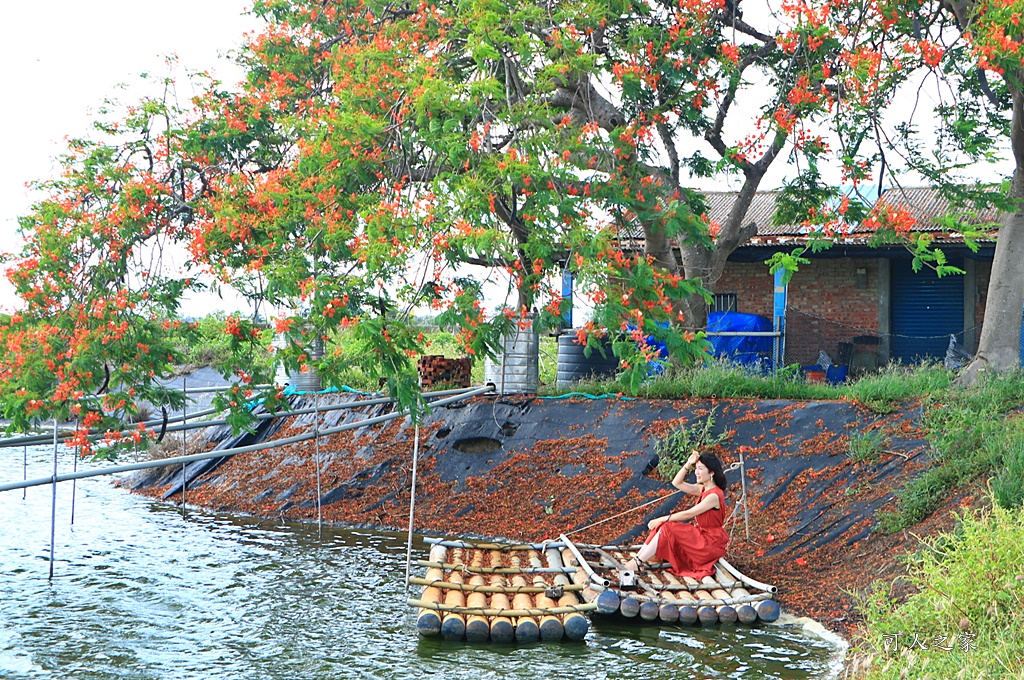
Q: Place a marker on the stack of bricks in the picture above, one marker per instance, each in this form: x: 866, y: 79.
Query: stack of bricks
x: 435, y: 369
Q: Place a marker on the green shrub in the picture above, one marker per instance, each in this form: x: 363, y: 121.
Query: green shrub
x: 675, y: 448
x: 970, y: 593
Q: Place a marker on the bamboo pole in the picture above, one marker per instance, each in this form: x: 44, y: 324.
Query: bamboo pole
x: 688, y: 602
x: 706, y: 613
x: 746, y: 579
x: 745, y: 612
x: 527, y: 629
x: 551, y: 629
x: 491, y: 545
x: 575, y: 624
x: 508, y: 590
x: 502, y: 628
x: 668, y: 612
x: 579, y: 577
x: 453, y: 624
x: 606, y: 599
x: 53, y: 504
x: 712, y: 602
x: 511, y: 613
x: 477, y: 627
x: 726, y: 612
x: 428, y: 621
x: 488, y: 570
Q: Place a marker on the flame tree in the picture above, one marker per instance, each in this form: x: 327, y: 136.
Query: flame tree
x: 381, y: 158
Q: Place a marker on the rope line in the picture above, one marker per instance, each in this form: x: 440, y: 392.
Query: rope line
x: 624, y: 512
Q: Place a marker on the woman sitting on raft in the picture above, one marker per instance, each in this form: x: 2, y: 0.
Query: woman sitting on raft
x: 691, y: 549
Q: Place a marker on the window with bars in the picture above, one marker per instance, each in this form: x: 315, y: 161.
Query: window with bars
x: 724, y: 302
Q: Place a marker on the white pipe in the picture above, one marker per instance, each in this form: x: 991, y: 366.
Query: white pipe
x: 224, y: 453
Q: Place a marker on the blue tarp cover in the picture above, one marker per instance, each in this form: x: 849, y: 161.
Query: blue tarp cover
x: 744, y: 349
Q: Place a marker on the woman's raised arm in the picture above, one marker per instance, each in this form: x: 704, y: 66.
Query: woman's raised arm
x: 679, y: 481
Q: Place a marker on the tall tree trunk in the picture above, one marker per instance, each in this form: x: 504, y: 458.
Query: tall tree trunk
x: 708, y: 265
x: 999, y: 346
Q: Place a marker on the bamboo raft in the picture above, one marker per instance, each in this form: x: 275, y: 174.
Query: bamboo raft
x: 505, y: 592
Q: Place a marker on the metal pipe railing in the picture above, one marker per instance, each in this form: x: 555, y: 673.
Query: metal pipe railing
x: 224, y: 453
x: 45, y: 438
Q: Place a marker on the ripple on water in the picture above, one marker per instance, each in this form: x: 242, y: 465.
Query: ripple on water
x: 141, y: 592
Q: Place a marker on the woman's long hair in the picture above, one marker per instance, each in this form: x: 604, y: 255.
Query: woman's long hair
x: 712, y: 463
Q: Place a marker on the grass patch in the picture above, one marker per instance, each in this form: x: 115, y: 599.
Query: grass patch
x: 867, y: 447
x: 1008, y: 485
x: 882, y: 392
x: 970, y: 434
x: 966, y: 611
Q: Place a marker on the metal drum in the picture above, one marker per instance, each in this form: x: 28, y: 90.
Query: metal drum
x: 302, y: 382
x: 574, y: 365
x: 517, y: 371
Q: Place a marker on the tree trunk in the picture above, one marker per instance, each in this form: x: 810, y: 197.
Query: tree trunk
x: 708, y: 265
x: 999, y: 347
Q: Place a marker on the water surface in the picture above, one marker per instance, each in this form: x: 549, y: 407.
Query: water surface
x: 140, y: 591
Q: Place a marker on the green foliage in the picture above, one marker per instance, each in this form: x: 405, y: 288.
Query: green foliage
x: 676, y: 447
x: 205, y: 342
x: 969, y: 594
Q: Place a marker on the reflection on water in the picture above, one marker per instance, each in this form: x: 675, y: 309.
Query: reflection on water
x: 141, y: 592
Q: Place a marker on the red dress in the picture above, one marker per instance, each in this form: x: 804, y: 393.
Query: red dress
x: 693, y: 549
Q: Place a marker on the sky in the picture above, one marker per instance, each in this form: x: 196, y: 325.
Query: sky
x: 59, y: 60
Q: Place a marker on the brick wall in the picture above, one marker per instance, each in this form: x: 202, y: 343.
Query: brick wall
x: 826, y: 306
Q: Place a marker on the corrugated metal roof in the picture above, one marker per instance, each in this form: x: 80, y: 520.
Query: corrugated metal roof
x: 761, y: 211
x: 924, y: 203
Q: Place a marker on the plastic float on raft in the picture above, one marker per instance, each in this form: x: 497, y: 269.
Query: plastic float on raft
x: 525, y: 592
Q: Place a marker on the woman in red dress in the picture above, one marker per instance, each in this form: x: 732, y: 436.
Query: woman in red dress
x: 691, y: 549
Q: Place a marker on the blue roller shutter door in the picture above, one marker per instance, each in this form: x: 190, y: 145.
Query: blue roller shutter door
x: 925, y: 310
